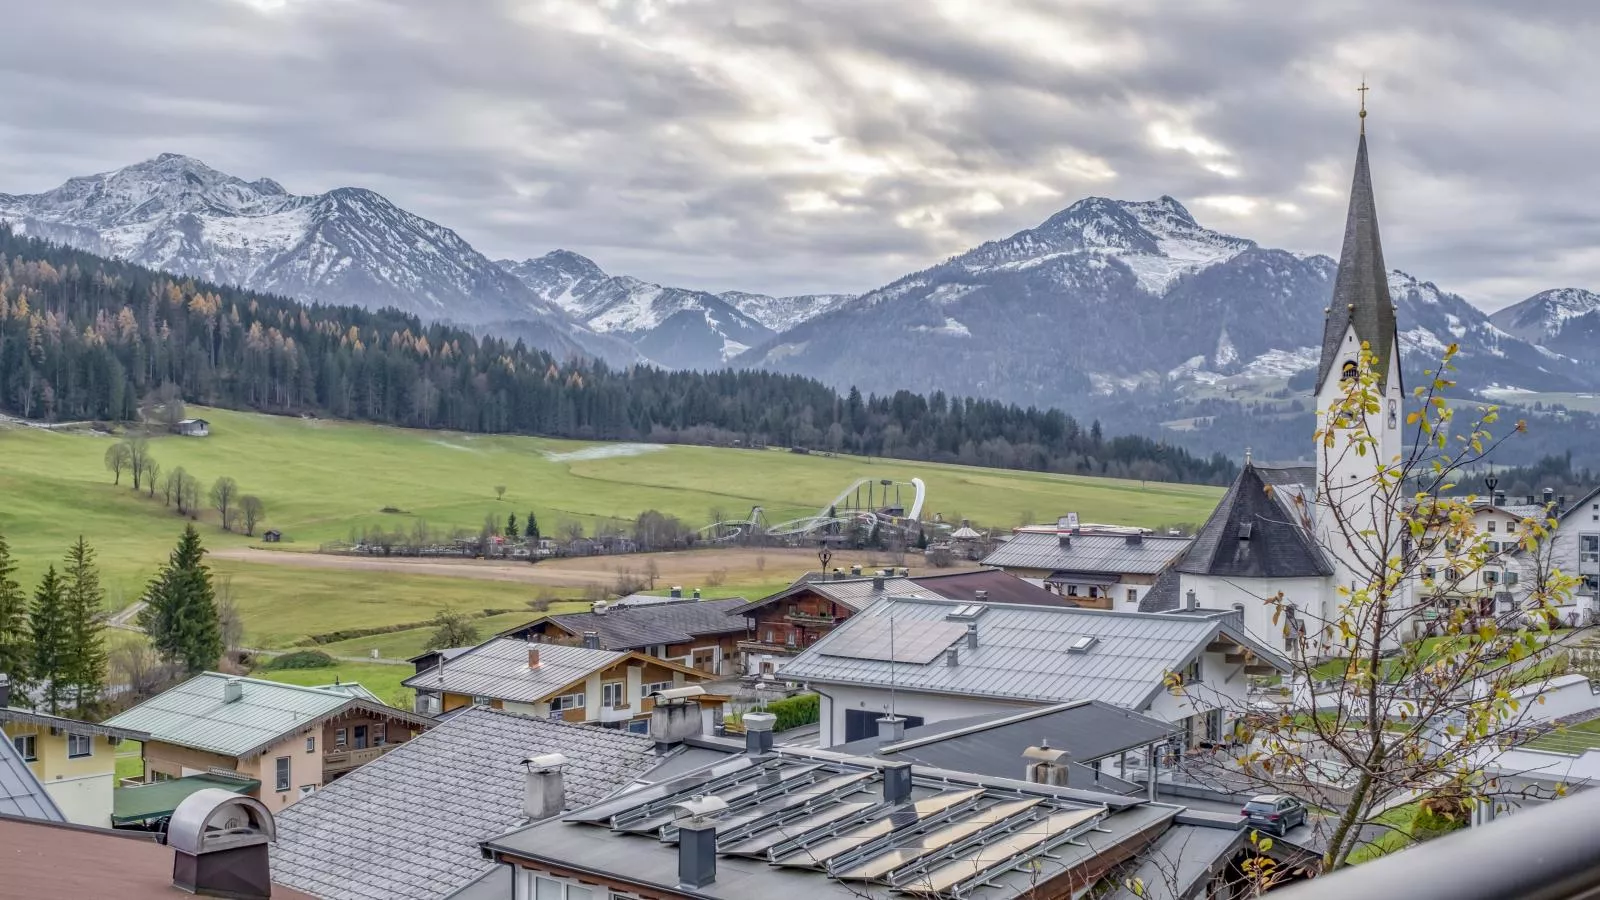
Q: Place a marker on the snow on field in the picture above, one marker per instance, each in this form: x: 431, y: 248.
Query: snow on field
x: 604, y: 451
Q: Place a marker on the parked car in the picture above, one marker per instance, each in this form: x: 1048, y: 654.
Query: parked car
x: 1276, y: 813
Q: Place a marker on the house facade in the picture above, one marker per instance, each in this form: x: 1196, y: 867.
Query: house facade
x: 291, y: 739
x: 1097, y: 566
x: 780, y: 626
x: 75, y: 761
x: 612, y: 688
x: 700, y: 634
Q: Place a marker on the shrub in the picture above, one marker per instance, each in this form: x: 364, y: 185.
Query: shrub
x: 793, y: 712
x: 300, y: 659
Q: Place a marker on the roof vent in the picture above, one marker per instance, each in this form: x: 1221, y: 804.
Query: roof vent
x: 758, y: 732
x: 1046, y: 764
x: 1245, y: 528
x: 980, y: 596
x: 697, y: 839
x: 591, y: 640
x: 877, y: 583
x: 219, y: 841
x: 972, y: 635
x: 1136, y: 539
x: 232, y: 690
x: 598, y: 607
x: 533, y: 654
x: 1065, y: 540
x: 1083, y: 643
x: 897, y: 783
x: 855, y: 571
x: 677, y: 592
x: 952, y: 657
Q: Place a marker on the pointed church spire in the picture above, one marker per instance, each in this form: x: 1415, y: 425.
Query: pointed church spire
x: 1361, y: 288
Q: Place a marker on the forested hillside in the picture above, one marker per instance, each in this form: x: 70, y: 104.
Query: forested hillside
x: 83, y: 337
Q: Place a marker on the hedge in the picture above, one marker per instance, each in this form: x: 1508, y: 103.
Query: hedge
x: 793, y: 712
x: 300, y: 659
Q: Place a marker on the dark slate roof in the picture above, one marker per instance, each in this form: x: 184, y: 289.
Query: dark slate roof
x: 639, y: 627
x: 1257, y: 531
x: 407, y: 825
x: 1361, y: 288
x: 21, y: 794
x: 1163, y: 595
x: 993, y: 744
x: 1001, y: 586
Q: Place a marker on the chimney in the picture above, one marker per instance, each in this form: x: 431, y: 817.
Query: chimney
x: 877, y: 584
x: 1499, y: 498
x: 855, y: 571
x: 758, y: 732
x: 697, y: 593
x: 1561, y: 503
x: 891, y: 729
x: 1136, y: 539
x: 591, y: 640
x: 544, y: 792
x: 1549, y: 496
x: 697, y: 840
x: 1190, y: 601
x: 5, y: 691
x: 896, y: 782
x: 232, y: 690
x: 981, y: 596
x: 972, y: 635
x: 598, y: 607
x: 1065, y: 540
x: 533, y: 654
x: 1047, y: 765
x: 952, y: 657
x: 676, y: 716
x: 219, y: 842
x: 677, y: 592
x: 838, y: 573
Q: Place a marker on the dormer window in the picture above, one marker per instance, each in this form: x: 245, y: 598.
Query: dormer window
x: 1349, y: 371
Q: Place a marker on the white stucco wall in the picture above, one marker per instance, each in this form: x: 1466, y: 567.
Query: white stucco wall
x: 1307, y: 594
x: 930, y: 707
x: 84, y: 801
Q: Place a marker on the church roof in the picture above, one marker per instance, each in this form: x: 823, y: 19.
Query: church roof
x: 1361, y: 288
x: 1258, y: 529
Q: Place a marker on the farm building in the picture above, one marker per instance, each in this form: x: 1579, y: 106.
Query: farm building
x: 193, y: 428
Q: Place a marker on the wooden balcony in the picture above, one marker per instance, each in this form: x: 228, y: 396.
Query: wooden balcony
x: 764, y: 647
x: 814, y: 619
x: 344, y: 759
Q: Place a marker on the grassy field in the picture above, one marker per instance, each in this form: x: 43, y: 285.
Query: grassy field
x: 380, y: 678
x: 323, y: 480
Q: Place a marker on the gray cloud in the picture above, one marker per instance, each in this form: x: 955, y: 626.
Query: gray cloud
x: 834, y: 145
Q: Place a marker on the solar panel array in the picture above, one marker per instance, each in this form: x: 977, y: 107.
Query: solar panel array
x: 832, y: 819
x: 918, y: 642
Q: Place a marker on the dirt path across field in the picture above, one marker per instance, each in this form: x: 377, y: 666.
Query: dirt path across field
x: 690, y: 567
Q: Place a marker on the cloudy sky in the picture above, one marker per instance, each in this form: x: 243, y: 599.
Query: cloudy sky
x: 808, y: 145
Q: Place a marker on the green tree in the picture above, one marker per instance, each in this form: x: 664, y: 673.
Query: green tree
x: 511, y: 526
x: 530, y: 529
x: 48, y: 622
x: 16, y: 638
x: 451, y: 629
x: 84, y: 665
x: 117, y: 460
x: 181, y: 609
x: 224, y: 496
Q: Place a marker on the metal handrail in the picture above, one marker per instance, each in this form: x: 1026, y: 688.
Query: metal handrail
x: 1548, y: 853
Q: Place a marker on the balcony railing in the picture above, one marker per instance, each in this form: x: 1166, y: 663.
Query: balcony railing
x: 764, y: 647
x: 1547, y: 853
x: 617, y: 713
x: 340, y: 760
x: 805, y: 618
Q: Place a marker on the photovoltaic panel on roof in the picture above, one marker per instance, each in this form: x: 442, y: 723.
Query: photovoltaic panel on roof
x: 904, y: 853
x: 817, y: 855
x: 999, y: 852
x: 914, y: 641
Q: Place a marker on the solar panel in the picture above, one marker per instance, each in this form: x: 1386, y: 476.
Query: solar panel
x: 906, y: 852
x: 784, y: 831
x: 816, y: 854
x: 1000, y: 851
x: 916, y: 641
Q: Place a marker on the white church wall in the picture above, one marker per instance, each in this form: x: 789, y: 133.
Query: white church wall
x: 1212, y: 592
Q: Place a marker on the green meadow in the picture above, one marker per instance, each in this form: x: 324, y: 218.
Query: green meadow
x: 324, y: 480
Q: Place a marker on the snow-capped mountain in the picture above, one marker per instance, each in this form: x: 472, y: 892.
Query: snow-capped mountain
x: 675, y: 327
x: 347, y: 246
x: 783, y: 313
x: 1131, y: 299
x: 1563, y: 320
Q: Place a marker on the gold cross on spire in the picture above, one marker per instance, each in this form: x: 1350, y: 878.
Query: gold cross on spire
x: 1363, y: 89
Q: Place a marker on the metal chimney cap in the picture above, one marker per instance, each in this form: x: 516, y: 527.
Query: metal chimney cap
x: 759, y: 721
x: 217, y: 819
x: 699, y: 806
x: 1046, y: 754
x: 677, y: 694
x: 545, y: 762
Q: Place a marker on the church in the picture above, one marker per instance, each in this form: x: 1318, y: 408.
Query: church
x: 1303, y: 531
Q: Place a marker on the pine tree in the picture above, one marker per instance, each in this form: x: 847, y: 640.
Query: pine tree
x: 511, y: 526
x: 48, y: 621
x: 181, y: 612
x: 16, y: 638
x: 84, y: 668
x: 531, y: 529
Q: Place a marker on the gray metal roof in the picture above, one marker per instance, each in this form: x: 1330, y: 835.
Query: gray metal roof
x: 1088, y: 552
x: 794, y: 828
x: 21, y: 794
x: 13, y: 714
x: 992, y: 744
x: 499, y: 669
x: 193, y: 713
x: 855, y: 594
x: 638, y: 627
x: 350, y: 689
x: 1180, y: 861
x: 407, y: 825
x: 1022, y: 653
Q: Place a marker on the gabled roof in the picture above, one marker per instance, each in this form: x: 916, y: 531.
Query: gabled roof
x: 1022, y: 651
x: 350, y: 689
x: 1361, y: 287
x: 639, y: 627
x: 854, y: 593
x: 1001, y: 587
x: 74, y: 726
x: 1124, y: 554
x: 21, y: 794
x: 407, y: 825
x: 194, y: 714
x: 498, y: 668
x: 1257, y: 531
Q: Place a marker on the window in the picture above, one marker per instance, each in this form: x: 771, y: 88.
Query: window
x: 613, y: 693
x: 311, y: 744
x: 79, y: 745
x: 339, y: 737
x: 1072, y: 590
x: 380, y: 734
x: 25, y: 747
x: 1191, y: 673
x: 539, y: 887
x: 1589, y: 547
x: 1511, y: 578
x: 282, y: 774
x: 646, y: 690
x: 1491, y: 577
x: 1491, y: 526
x: 479, y: 700
x: 1511, y: 527
x: 1133, y: 596
x: 567, y: 701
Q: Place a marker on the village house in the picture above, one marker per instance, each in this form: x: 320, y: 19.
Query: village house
x: 289, y: 740
x: 1099, y: 566
x: 928, y: 660
x: 700, y: 634
x: 1573, y: 549
x: 780, y: 626
x: 583, y: 684
x: 75, y: 761
x: 193, y: 428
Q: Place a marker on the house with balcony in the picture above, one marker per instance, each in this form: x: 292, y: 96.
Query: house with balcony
x: 700, y: 634
x: 75, y: 761
x: 585, y: 684
x: 1098, y: 566
x: 289, y: 740
x: 780, y: 626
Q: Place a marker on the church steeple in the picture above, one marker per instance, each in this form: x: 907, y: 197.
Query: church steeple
x: 1361, y: 288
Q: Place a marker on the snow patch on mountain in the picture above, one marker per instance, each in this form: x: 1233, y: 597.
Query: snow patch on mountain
x: 783, y: 313
x: 1282, y: 363
x: 950, y: 328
